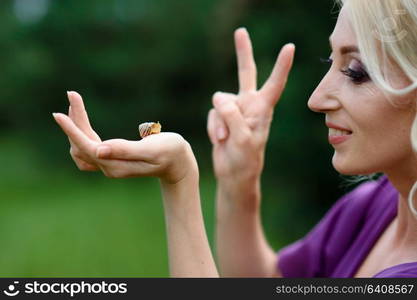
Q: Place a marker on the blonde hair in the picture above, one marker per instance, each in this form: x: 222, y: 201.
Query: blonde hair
x: 386, y: 31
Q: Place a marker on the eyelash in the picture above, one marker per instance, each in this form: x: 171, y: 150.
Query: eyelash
x: 357, y: 77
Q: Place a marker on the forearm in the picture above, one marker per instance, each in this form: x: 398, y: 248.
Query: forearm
x: 188, y: 247
x: 242, y: 249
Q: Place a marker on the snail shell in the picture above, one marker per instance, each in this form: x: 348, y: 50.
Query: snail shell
x: 149, y: 128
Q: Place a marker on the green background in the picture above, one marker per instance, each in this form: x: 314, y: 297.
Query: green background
x: 135, y: 61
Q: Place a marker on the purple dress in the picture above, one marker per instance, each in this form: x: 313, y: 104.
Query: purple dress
x: 340, y: 242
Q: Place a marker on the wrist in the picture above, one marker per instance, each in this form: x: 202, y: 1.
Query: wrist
x: 244, y: 197
x: 184, y: 189
x: 182, y: 168
x: 238, y: 182
x: 241, y: 172
x: 237, y: 185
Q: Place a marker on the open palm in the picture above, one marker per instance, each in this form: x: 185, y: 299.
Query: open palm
x: 166, y: 155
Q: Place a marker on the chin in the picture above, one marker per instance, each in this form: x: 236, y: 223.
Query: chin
x: 350, y: 167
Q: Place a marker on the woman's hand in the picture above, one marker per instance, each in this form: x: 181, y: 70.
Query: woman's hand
x: 164, y: 155
x: 238, y: 127
x: 239, y: 124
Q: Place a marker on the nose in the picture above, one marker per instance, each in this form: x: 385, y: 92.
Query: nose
x: 325, y: 96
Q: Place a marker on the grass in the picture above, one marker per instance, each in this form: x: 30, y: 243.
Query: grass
x: 72, y: 228
x: 56, y: 221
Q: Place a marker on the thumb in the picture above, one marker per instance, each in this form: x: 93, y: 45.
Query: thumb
x: 216, y: 128
x: 230, y: 113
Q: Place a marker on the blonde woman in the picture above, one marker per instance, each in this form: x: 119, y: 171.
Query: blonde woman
x: 369, y: 99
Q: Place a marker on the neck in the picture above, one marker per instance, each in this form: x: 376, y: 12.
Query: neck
x: 405, y: 224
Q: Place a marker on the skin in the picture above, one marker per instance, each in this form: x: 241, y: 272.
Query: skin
x: 380, y: 141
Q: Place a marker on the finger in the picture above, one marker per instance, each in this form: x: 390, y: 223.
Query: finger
x: 216, y: 128
x: 83, y: 143
x: 77, y: 111
x: 219, y: 126
x: 84, y: 166
x: 229, y: 112
x: 82, y: 162
x: 246, y: 63
x: 124, y: 168
x: 211, y: 126
x: 71, y: 116
x: 273, y: 87
x: 227, y: 96
x: 126, y: 150
x: 81, y: 158
x: 79, y: 115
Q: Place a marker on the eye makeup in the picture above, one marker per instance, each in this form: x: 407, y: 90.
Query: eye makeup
x: 356, y: 71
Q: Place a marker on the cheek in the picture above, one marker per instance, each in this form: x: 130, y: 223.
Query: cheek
x: 380, y: 141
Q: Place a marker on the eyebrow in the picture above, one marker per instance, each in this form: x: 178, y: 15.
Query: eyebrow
x: 345, y: 49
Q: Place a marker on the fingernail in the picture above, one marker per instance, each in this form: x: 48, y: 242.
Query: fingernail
x: 103, y: 151
x: 221, y: 133
x: 54, y: 115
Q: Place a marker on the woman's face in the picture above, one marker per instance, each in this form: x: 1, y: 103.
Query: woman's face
x: 380, y: 132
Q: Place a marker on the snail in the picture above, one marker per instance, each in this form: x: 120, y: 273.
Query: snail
x: 149, y: 128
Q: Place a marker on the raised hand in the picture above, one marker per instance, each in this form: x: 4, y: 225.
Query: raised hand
x: 238, y: 125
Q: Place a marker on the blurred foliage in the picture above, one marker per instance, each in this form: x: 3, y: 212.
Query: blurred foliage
x: 136, y: 61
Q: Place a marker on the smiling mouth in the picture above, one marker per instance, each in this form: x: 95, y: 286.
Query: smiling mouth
x: 338, y: 132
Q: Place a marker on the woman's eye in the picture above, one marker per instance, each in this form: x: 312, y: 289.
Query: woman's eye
x: 357, y: 77
x: 357, y: 73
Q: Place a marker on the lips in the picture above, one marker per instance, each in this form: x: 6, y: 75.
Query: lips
x: 338, y: 127
x: 335, y: 139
